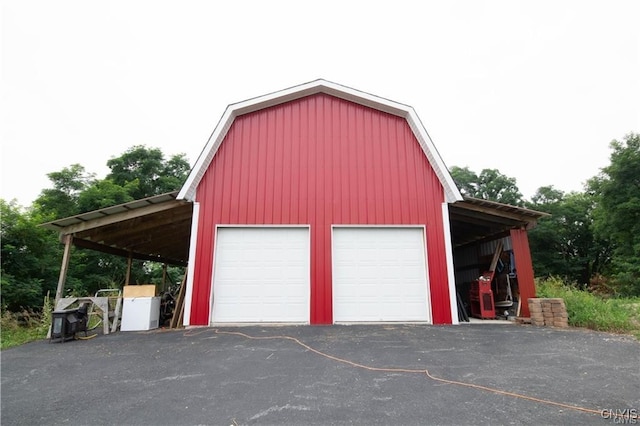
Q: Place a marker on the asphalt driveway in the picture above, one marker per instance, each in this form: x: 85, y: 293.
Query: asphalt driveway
x: 199, y: 377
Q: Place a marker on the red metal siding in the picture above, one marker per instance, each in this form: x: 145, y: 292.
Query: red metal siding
x: 320, y: 161
x: 522, y: 253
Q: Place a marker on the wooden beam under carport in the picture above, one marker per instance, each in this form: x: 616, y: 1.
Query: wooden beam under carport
x: 177, y: 215
x: 124, y: 253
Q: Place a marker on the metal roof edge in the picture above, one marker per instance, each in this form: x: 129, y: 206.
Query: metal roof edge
x: 502, y: 206
x: 61, y: 223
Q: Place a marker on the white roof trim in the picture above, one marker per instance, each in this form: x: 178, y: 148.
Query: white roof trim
x: 188, y: 190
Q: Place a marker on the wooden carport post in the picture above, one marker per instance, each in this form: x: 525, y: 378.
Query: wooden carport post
x: 128, y: 276
x: 62, y: 279
x: 164, y: 277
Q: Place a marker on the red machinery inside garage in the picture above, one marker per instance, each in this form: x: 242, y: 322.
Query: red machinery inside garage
x: 481, y: 297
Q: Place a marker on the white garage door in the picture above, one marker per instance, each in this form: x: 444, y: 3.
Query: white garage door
x: 379, y: 274
x: 261, y: 275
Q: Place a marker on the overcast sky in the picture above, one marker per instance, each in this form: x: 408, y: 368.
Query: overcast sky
x: 534, y: 89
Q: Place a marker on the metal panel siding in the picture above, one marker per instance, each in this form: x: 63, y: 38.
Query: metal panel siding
x: 320, y: 161
x: 522, y: 253
x: 488, y: 248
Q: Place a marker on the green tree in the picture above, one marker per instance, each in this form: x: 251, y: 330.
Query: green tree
x: 102, y: 193
x: 30, y: 256
x: 490, y: 185
x: 617, y: 214
x: 564, y: 244
x: 62, y: 199
x: 144, y: 172
x: 466, y: 180
x: 545, y: 241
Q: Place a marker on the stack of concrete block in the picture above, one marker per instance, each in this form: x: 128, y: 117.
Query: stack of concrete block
x: 548, y: 311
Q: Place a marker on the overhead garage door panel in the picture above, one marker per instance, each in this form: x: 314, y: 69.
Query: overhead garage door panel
x: 261, y: 275
x: 379, y: 275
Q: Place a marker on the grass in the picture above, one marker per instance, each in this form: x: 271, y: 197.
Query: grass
x: 16, y: 330
x: 615, y: 315
x: 26, y: 326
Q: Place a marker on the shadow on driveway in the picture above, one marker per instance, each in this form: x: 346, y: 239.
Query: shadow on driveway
x: 198, y: 376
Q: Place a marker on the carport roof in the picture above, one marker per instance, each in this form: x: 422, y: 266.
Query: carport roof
x: 158, y: 228
x: 475, y: 220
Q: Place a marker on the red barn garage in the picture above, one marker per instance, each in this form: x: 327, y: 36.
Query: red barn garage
x: 320, y: 204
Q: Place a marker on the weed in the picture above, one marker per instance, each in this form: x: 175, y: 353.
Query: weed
x: 585, y: 309
x: 15, y: 332
x: 25, y: 326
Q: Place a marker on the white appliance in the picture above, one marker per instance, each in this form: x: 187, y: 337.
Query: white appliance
x: 140, y: 313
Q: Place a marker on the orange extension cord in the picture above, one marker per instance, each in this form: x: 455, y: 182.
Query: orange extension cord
x: 411, y: 371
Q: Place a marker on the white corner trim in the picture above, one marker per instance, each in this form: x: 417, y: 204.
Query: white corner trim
x: 188, y: 190
x: 452, y: 194
x: 451, y: 277
x: 188, y: 296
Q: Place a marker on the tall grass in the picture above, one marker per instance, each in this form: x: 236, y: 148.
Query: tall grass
x: 16, y: 331
x: 591, y: 311
x: 27, y: 326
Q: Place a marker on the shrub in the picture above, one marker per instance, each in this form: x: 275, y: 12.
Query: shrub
x: 25, y: 326
x: 589, y: 310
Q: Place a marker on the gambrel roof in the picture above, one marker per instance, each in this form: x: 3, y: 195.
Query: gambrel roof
x: 188, y: 191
